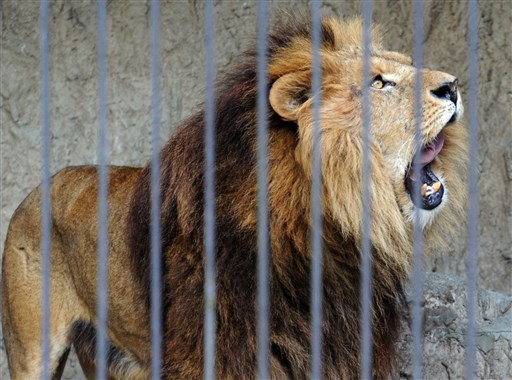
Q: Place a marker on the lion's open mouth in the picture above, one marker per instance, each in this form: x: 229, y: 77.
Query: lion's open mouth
x: 420, y: 176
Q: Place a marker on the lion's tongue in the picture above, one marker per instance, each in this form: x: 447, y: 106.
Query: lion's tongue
x: 428, y: 153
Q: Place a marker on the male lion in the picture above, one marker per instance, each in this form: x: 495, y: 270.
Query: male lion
x: 74, y: 226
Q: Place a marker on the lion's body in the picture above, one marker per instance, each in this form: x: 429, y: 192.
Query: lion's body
x: 74, y: 225
x: 73, y: 277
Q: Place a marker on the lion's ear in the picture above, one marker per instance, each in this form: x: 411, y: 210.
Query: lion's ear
x: 288, y: 94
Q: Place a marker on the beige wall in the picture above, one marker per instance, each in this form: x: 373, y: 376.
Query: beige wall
x: 74, y: 91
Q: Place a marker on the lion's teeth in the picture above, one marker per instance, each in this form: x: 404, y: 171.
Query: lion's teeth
x: 424, y: 189
x: 436, y: 186
x: 427, y: 190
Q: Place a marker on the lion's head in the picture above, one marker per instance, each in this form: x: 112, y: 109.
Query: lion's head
x: 399, y: 167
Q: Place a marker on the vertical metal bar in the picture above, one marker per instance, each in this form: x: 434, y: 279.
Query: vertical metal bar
x: 472, y: 258
x: 209, y: 197
x: 417, y: 280
x: 263, y: 225
x: 156, y: 276
x: 45, y: 185
x: 102, y: 280
x: 316, y: 198
x: 366, y: 259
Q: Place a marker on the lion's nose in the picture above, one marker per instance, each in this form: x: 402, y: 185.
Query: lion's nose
x: 447, y: 91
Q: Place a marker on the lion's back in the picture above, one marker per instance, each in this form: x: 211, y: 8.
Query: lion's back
x: 73, y: 207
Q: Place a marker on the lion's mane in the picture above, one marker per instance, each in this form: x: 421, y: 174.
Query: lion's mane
x: 289, y: 49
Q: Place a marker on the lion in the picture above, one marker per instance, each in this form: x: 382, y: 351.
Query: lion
x: 398, y: 167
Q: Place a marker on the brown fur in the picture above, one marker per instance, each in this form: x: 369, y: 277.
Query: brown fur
x: 74, y: 235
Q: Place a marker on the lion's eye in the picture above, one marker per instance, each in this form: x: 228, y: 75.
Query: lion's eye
x: 379, y: 83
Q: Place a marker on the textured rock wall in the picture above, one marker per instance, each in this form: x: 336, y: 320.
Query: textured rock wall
x: 74, y: 92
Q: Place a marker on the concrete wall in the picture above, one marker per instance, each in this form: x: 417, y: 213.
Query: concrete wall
x: 74, y: 92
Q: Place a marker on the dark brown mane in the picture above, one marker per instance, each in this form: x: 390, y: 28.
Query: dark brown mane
x: 182, y: 166
x: 235, y: 117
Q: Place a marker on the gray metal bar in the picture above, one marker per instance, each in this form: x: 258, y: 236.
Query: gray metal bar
x: 156, y: 277
x: 316, y: 198
x: 417, y: 279
x: 209, y: 197
x: 472, y: 254
x: 102, y: 279
x: 45, y: 185
x: 366, y: 259
x: 263, y: 224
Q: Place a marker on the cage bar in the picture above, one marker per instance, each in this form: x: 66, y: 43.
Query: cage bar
x: 366, y: 248
x: 472, y: 247
x: 209, y: 197
x: 417, y: 266
x: 102, y: 275
x: 156, y: 277
x: 44, y: 41
x: 316, y: 198
x: 263, y: 329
